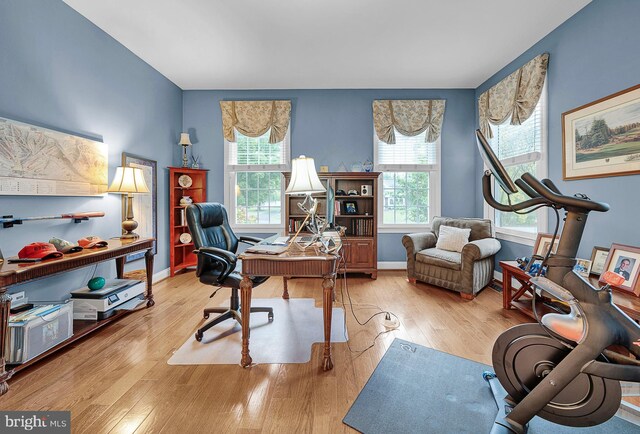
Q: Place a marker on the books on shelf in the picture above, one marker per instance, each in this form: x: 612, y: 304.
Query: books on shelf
x: 361, y: 227
x: 295, y: 224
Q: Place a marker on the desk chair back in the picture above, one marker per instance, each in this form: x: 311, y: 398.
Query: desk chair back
x: 209, y: 226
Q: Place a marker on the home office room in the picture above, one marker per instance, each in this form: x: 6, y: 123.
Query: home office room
x: 376, y: 217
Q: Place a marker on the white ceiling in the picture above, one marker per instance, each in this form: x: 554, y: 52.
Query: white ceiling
x: 327, y: 44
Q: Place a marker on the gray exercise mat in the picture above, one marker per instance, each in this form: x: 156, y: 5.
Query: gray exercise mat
x: 415, y: 389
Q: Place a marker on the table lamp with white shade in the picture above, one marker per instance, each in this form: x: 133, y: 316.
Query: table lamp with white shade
x: 129, y: 180
x: 305, y: 181
x: 185, y: 142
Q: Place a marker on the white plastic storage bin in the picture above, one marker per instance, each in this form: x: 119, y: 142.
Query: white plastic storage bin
x: 35, y: 334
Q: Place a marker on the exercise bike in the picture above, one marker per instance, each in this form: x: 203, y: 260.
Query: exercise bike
x: 560, y: 368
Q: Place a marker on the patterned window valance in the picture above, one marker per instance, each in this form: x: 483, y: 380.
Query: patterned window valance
x: 409, y: 117
x: 516, y: 95
x: 254, y: 118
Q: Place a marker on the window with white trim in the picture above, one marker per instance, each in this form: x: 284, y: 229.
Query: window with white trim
x: 409, y: 191
x: 520, y: 148
x: 254, y: 182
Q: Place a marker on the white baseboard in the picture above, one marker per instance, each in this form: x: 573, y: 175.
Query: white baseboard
x: 161, y: 275
x: 392, y: 265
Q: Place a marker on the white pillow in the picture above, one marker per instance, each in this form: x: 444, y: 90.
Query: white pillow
x: 452, y: 239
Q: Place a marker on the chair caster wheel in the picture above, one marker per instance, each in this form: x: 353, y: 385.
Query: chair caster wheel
x: 206, y: 316
x: 270, y: 318
x: 198, y: 336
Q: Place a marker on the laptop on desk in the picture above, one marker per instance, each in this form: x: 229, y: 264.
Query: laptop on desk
x: 266, y: 249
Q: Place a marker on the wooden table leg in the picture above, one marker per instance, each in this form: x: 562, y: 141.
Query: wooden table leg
x: 148, y: 260
x: 327, y: 309
x: 120, y: 267
x: 506, y: 289
x: 285, y: 292
x: 5, y: 304
x: 245, y: 306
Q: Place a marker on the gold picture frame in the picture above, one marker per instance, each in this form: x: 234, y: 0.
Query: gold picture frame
x: 602, y: 138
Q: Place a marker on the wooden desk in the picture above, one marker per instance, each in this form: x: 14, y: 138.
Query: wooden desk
x: 521, y: 298
x: 13, y: 274
x: 310, y: 263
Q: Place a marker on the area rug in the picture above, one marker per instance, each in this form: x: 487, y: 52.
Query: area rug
x: 415, y: 389
x: 296, y: 325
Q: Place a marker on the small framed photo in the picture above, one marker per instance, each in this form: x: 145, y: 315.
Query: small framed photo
x: 324, y: 169
x: 543, y: 242
x: 624, y: 261
x: 582, y: 267
x: 350, y: 207
x: 598, y: 259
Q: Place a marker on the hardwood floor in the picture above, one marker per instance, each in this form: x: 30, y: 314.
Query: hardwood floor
x: 118, y: 381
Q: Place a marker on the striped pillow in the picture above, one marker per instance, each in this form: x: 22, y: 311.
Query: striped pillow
x: 452, y: 239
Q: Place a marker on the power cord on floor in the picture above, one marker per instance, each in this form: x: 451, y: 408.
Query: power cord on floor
x: 388, y: 323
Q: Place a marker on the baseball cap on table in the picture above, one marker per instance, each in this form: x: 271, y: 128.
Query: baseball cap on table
x: 65, y: 246
x: 39, y: 251
x: 92, y: 241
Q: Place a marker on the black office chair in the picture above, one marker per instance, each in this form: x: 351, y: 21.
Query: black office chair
x: 216, y: 246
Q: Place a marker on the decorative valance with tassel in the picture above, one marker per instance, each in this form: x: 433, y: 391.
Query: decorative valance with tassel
x: 516, y: 96
x: 409, y: 117
x: 254, y: 118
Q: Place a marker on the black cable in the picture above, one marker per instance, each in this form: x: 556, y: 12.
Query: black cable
x: 345, y: 288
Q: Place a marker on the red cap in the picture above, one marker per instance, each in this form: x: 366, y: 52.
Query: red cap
x: 39, y: 250
x: 92, y: 241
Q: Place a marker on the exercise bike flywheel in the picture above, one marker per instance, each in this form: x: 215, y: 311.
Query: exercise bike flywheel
x: 525, y: 354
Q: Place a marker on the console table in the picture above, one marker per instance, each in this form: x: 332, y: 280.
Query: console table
x: 17, y: 273
x: 520, y: 298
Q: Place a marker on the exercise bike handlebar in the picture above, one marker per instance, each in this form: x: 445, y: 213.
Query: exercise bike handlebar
x: 488, y: 196
x: 546, y: 190
x: 541, y: 193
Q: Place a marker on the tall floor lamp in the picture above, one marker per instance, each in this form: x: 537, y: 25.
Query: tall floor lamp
x: 129, y: 181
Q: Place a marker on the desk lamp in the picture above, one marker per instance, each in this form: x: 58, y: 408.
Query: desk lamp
x: 131, y: 181
x: 185, y: 142
x: 305, y: 181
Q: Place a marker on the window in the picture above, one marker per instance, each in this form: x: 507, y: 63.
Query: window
x: 254, y: 181
x: 410, y: 180
x: 521, y: 149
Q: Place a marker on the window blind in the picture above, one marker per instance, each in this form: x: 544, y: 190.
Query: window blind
x: 407, y: 153
x: 257, y: 154
x: 518, y: 144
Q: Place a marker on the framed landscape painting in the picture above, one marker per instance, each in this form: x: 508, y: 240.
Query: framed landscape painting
x: 602, y: 138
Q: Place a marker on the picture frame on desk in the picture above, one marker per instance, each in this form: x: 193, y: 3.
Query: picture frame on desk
x: 145, y: 206
x: 598, y: 259
x: 624, y: 261
x: 543, y: 241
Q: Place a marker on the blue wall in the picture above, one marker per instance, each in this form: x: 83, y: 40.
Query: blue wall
x: 593, y: 54
x: 60, y: 71
x: 336, y: 126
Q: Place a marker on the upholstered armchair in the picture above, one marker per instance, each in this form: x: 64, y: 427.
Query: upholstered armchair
x: 466, y: 272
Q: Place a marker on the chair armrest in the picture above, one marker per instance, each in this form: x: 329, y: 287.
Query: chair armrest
x: 249, y: 240
x: 414, y: 243
x: 481, y: 249
x: 206, y: 255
